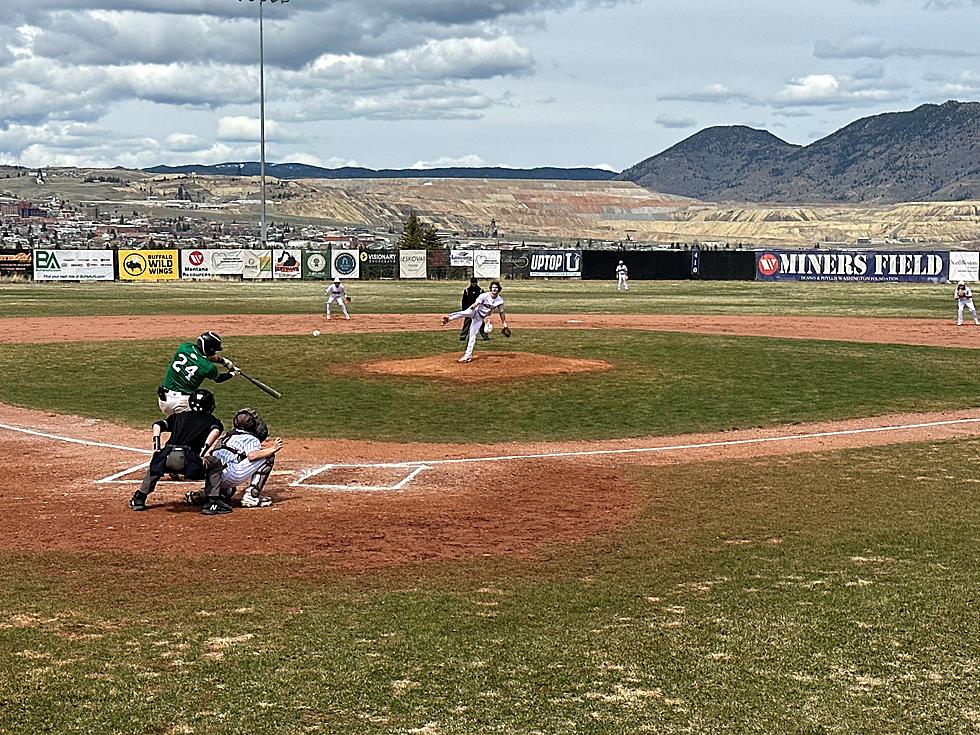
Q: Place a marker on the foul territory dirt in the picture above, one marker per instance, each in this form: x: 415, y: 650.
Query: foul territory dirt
x: 444, y: 502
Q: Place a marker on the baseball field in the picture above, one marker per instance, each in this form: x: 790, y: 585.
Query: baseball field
x: 689, y: 508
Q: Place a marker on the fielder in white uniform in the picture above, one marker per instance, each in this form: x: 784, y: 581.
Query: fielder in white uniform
x: 485, y: 304
x: 964, y: 298
x: 335, y: 295
x: 622, y: 276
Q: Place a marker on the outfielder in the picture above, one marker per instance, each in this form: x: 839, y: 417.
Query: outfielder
x: 192, y: 433
x: 336, y: 294
x: 192, y: 363
x: 622, y: 277
x: 964, y: 298
x: 485, y: 304
x: 244, y: 455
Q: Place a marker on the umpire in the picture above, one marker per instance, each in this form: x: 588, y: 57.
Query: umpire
x: 470, y: 296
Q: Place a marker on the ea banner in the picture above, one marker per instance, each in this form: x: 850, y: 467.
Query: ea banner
x: 851, y: 265
x: 556, y: 263
x: 149, y: 265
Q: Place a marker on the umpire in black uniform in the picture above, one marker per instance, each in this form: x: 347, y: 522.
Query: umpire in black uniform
x: 469, y: 297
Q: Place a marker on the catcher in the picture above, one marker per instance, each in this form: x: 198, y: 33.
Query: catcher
x: 191, y: 435
x: 245, y: 454
x: 483, y: 307
x: 964, y: 299
x: 337, y: 294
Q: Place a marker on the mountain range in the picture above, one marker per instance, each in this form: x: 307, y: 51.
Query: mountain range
x: 305, y: 171
x: 931, y: 153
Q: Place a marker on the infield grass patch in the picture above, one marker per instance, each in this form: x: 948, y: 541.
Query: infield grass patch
x: 823, y: 593
x: 660, y: 383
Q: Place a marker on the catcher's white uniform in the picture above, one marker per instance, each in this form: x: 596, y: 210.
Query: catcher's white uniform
x: 335, y: 295
x: 486, y: 303
x: 237, y: 470
x: 622, y: 276
x: 964, y: 298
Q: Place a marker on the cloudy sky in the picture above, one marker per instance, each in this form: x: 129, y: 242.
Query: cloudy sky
x: 421, y: 83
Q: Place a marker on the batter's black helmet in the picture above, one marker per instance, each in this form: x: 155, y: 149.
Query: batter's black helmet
x: 210, y: 343
x: 201, y: 400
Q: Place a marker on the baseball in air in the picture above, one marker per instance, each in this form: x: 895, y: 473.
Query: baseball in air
x: 316, y: 332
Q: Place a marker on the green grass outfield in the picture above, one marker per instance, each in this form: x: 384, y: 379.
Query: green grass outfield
x: 528, y: 296
x: 829, y: 593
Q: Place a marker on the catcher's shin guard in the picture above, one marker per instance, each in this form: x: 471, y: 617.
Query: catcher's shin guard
x: 261, y: 476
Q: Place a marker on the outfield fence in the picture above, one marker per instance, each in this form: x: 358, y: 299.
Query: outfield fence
x: 351, y: 263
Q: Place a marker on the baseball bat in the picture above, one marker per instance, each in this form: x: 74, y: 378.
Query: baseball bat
x: 260, y: 385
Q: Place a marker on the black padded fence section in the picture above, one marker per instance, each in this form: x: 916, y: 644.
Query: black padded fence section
x: 670, y: 265
x: 726, y: 265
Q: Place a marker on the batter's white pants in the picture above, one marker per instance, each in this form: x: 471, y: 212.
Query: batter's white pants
x: 968, y: 303
x: 176, y: 402
x: 339, y: 300
x: 475, y: 326
x: 621, y: 284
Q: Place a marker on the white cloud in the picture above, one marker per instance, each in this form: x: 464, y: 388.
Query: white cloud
x: 183, y: 142
x: 675, y: 122
x: 709, y: 93
x: 858, y: 47
x: 471, y: 160
x: 829, y: 90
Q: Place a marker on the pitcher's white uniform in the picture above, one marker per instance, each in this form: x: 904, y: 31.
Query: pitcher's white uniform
x: 237, y: 470
x: 486, y: 303
x: 335, y: 295
x: 622, y: 276
x: 964, y: 298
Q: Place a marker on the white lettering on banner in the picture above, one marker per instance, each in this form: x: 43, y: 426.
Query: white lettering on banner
x: 908, y: 264
x: 824, y: 264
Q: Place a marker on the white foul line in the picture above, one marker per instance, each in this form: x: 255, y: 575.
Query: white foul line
x: 428, y: 463
x: 71, y: 440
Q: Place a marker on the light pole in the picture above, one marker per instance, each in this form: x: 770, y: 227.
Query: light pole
x: 263, y: 227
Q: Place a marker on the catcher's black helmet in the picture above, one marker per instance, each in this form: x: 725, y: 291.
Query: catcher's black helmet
x: 249, y: 420
x: 210, y: 343
x: 201, y: 400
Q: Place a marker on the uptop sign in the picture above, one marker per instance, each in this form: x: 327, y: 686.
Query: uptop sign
x: 556, y: 263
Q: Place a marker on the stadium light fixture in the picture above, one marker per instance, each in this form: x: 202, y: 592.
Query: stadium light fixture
x: 263, y: 227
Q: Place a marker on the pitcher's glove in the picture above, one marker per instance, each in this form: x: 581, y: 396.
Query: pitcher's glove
x: 506, y: 331
x: 347, y: 299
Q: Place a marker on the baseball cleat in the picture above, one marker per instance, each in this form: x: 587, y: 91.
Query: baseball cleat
x: 445, y: 320
x: 465, y: 359
x: 137, y: 502
x: 194, y: 497
x: 256, y: 501
x: 215, y: 507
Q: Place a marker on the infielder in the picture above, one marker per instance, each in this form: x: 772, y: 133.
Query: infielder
x: 964, y: 298
x: 244, y: 455
x: 192, y: 433
x: 337, y: 295
x: 622, y: 276
x: 192, y: 363
x: 485, y: 304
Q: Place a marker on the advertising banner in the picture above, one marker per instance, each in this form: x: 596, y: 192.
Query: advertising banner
x: 379, y: 263
x: 227, y: 262
x: 486, y: 263
x: 461, y: 258
x: 411, y: 264
x: 964, y: 266
x: 15, y: 262
x: 851, y: 265
x: 287, y: 263
x: 257, y: 264
x: 74, y: 265
x: 345, y: 263
x: 556, y: 263
x: 149, y: 265
x: 316, y: 264
x: 195, y: 263
x: 207, y: 263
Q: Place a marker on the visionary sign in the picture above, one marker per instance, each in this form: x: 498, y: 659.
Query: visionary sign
x: 847, y: 265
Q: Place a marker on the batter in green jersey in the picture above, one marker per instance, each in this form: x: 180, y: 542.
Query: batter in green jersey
x: 192, y: 364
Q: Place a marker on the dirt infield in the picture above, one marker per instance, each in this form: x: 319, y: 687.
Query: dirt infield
x: 462, y: 500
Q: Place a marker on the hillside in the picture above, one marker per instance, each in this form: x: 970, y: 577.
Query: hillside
x: 306, y: 171
x: 931, y: 153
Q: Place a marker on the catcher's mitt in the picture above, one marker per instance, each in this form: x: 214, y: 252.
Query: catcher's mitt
x: 347, y: 299
x: 506, y: 331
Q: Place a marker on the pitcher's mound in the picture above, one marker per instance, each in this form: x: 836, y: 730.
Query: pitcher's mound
x: 485, y: 366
